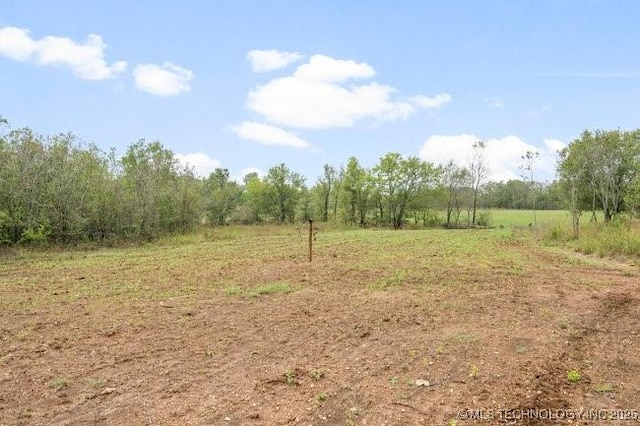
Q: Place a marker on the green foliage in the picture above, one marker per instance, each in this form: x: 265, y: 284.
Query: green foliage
x: 35, y: 236
x: 613, y: 239
x: 290, y: 377
x: 356, y: 193
x: 221, y: 197
x: 83, y: 194
x: 54, y: 189
x: 598, y: 169
x: 398, y: 182
x: 574, y: 376
x: 5, y: 228
x: 484, y: 218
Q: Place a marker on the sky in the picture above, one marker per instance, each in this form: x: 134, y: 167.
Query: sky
x: 247, y: 85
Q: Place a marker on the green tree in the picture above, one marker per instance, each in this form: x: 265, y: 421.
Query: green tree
x: 454, y: 180
x: 325, y: 186
x: 527, y: 169
x: 284, y: 189
x: 399, y: 182
x: 355, y: 191
x: 221, y: 196
x: 604, y: 164
x: 160, y: 195
x: 478, y: 173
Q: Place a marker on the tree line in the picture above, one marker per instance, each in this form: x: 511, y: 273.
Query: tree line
x: 600, y: 171
x: 55, y: 189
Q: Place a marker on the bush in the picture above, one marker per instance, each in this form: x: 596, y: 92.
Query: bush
x: 4, y: 229
x: 484, y: 219
x: 35, y: 236
x: 243, y: 215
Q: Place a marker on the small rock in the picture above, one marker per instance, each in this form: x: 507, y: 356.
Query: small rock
x: 227, y: 419
x: 421, y: 382
x: 107, y: 391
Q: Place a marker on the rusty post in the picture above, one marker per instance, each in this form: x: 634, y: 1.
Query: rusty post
x: 310, y: 240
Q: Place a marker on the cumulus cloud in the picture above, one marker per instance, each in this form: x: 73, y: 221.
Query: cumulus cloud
x: 503, y: 155
x: 162, y: 80
x: 202, y: 164
x: 554, y: 145
x: 86, y: 60
x: 269, y: 60
x: 268, y: 135
x: 325, y: 68
x: 321, y: 94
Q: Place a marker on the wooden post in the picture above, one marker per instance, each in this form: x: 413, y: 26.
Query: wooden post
x: 310, y: 240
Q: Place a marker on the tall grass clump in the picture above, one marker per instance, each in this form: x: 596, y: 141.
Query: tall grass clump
x: 618, y: 238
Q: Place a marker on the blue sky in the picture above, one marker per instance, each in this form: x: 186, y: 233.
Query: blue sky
x: 249, y: 84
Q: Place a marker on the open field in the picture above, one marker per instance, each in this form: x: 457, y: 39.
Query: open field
x: 382, y: 328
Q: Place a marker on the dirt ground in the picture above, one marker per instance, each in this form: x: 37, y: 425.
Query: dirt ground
x: 384, y: 331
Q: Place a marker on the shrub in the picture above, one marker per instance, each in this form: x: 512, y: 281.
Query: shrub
x: 484, y: 219
x: 35, y: 236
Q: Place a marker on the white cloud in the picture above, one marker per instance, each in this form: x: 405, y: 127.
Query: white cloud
x: 554, y: 145
x: 17, y: 44
x: 325, y: 68
x: 315, y: 97
x: 504, y: 155
x: 202, y: 164
x: 268, y: 135
x: 86, y: 60
x: 436, y: 102
x: 269, y: 60
x: 162, y: 80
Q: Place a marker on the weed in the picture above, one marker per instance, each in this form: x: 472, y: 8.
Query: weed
x: 604, y: 388
x: 97, y: 383
x: 453, y: 422
x: 21, y: 335
x: 59, y: 383
x: 272, y: 288
x: 564, y: 323
x: 321, y: 397
x: 467, y: 338
x: 290, y: 377
x: 26, y: 413
x: 574, y: 376
x: 233, y: 291
x: 521, y: 349
x: 393, y: 380
x: 316, y: 374
x: 473, y: 371
x: 391, y: 281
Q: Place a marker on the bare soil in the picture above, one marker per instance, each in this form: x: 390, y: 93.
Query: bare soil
x: 341, y: 348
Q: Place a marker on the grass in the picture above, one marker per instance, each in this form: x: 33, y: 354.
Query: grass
x: 522, y: 218
x: 97, y: 383
x: 574, y: 376
x: 59, y: 383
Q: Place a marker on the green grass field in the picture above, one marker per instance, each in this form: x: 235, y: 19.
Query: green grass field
x: 522, y: 218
